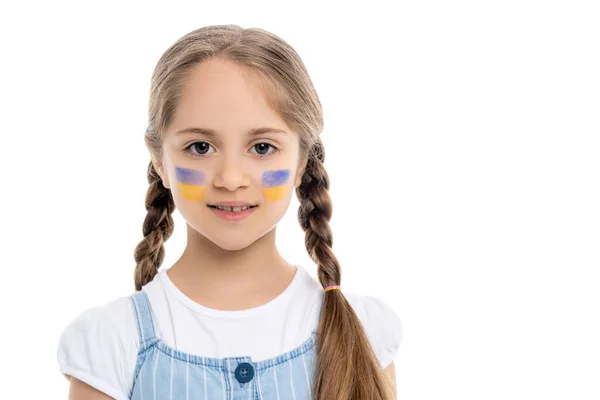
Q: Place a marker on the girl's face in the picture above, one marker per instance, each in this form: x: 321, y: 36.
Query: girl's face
x: 227, y: 147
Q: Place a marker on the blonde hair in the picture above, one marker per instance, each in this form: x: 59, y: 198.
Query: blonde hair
x: 347, y: 367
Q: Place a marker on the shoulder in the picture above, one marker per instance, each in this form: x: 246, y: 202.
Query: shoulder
x: 381, y: 323
x: 99, y: 347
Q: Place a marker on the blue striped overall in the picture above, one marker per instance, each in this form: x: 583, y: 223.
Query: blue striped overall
x: 162, y: 372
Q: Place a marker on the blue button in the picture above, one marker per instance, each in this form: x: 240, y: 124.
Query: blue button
x: 244, y: 372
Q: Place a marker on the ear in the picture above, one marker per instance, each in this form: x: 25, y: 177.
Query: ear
x: 158, y: 166
x: 300, y: 172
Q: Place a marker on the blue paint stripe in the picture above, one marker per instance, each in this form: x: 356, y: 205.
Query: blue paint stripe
x: 275, y: 178
x: 190, y: 176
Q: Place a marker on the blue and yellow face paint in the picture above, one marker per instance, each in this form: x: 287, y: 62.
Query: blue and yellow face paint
x: 275, y: 184
x: 191, y: 183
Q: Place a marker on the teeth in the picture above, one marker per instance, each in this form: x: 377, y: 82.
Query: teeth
x: 234, y: 209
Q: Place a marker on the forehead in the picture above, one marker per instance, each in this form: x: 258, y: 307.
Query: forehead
x: 221, y: 95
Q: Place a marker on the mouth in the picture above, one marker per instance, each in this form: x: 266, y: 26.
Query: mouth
x: 232, y: 211
x: 232, y: 208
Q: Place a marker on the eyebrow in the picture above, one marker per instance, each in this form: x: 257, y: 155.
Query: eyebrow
x: 251, y: 132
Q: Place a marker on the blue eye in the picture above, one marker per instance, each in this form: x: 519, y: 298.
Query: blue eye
x: 262, y: 149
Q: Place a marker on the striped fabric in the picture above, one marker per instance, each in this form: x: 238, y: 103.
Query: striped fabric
x: 163, y: 372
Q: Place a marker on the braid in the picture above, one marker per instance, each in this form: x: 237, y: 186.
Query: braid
x: 314, y: 215
x: 158, y: 227
x: 342, y: 342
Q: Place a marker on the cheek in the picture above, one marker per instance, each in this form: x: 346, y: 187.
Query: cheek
x: 191, y: 183
x: 275, y: 184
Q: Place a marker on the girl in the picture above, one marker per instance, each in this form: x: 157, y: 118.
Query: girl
x: 234, y: 125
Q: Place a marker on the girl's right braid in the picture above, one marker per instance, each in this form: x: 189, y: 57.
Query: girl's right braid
x: 158, y: 227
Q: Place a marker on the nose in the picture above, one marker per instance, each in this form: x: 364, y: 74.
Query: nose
x: 230, y: 174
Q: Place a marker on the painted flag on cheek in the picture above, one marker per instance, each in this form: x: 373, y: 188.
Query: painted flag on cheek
x: 191, y: 183
x: 275, y: 184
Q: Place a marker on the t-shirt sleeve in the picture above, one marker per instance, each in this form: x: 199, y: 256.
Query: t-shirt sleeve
x: 90, y: 350
x: 382, y: 325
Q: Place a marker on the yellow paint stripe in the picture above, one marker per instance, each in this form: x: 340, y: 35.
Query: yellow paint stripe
x: 274, y: 193
x: 192, y: 192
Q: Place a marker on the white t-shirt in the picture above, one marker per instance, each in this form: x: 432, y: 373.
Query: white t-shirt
x: 100, y: 345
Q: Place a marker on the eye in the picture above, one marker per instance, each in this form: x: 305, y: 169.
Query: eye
x: 262, y: 149
x: 199, y: 148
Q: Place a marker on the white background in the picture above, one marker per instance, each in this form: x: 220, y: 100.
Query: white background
x: 462, y: 143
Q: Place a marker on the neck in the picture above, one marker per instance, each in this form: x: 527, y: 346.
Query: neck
x: 206, y: 270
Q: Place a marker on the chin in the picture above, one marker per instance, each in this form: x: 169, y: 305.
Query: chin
x: 231, y: 236
x: 233, y: 241
x: 232, y: 244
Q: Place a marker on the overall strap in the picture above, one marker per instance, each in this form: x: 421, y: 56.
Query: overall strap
x: 143, y: 316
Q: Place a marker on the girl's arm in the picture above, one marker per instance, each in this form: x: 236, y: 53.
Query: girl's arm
x: 82, y: 391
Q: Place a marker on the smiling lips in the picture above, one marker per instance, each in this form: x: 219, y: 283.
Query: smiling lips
x: 232, y: 210
x: 232, y: 213
x: 235, y: 209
